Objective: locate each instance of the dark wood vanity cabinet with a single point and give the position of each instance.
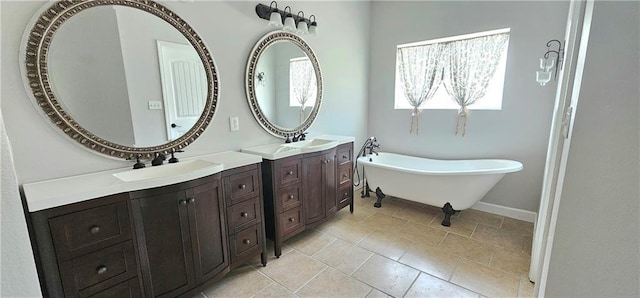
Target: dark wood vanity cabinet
(182, 235)
(161, 242)
(87, 249)
(302, 191)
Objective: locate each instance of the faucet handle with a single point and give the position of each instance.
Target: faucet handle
(159, 159)
(302, 136)
(138, 164)
(174, 159)
(288, 140)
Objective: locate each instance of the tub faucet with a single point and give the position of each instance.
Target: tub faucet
(372, 145)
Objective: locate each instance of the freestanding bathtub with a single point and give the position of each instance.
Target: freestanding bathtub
(451, 184)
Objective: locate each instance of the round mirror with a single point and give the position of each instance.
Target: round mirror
(124, 78)
(284, 84)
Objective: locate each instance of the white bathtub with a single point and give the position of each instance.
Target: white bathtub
(462, 183)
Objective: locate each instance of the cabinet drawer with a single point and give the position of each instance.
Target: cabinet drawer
(246, 242)
(290, 196)
(96, 271)
(127, 289)
(244, 214)
(344, 174)
(345, 196)
(241, 186)
(291, 220)
(344, 154)
(80, 232)
(289, 171)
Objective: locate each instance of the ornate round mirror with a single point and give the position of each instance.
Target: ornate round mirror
(283, 84)
(124, 78)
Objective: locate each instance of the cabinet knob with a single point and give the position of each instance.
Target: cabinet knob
(291, 219)
(290, 173)
(191, 200)
(101, 269)
(346, 194)
(290, 197)
(345, 176)
(246, 241)
(94, 230)
(244, 214)
(242, 186)
(182, 202)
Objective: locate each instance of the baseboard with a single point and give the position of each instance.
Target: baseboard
(520, 214)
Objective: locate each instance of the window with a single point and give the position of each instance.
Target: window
(492, 100)
(302, 83)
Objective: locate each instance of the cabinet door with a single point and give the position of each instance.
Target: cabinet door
(163, 229)
(329, 175)
(313, 188)
(208, 230)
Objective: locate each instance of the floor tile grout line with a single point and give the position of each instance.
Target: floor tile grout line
(411, 285)
(312, 278)
(360, 266)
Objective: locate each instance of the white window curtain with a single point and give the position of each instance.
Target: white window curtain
(303, 84)
(420, 72)
(469, 66)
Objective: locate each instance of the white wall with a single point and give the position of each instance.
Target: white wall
(519, 131)
(596, 249)
(230, 30)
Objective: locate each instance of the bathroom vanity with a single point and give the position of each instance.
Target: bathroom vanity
(151, 235)
(305, 184)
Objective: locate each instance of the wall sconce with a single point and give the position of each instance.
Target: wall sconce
(286, 20)
(261, 78)
(547, 62)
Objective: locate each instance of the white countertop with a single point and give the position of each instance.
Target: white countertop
(280, 150)
(57, 192)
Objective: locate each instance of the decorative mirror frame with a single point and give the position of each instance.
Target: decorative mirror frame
(262, 44)
(36, 46)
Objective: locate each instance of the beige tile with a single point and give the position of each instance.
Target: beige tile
(343, 256)
(416, 214)
(384, 222)
(482, 217)
(333, 283)
(241, 282)
(517, 226)
(422, 234)
(293, 270)
(386, 244)
(257, 261)
(386, 275)
(429, 286)
(528, 242)
(349, 231)
(467, 248)
(274, 290)
(484, 280)
(516, 262)
(499, 237)
(310, 241)
(431, 260)
(375, 293)
(459, 226)
(526, 287)
(358, 215)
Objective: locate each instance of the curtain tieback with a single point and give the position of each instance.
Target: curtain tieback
(463, 112)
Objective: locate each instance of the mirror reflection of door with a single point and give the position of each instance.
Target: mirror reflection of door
(184, 86)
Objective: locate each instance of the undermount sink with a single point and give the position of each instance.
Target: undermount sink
(193, 167)
(312, 145)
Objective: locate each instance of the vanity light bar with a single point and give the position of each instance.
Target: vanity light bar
(287, 18)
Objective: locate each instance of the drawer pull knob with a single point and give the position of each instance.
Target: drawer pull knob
(246, 241)
(182, 202)
(101, 269)
(344, 157)
(244, 214)
(290, 173)
(94, 230)
(291, 219)
(290, 197)
(346, 194)
(191, 200)
(345, 176)
(242, 186)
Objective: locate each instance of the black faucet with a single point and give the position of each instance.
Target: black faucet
(138, 164)
(159, 159)
(372, 145)
(288, 140)
(302, 136)
(295, 137)
(174, 159)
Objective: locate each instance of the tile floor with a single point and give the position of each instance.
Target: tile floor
(399, 250)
